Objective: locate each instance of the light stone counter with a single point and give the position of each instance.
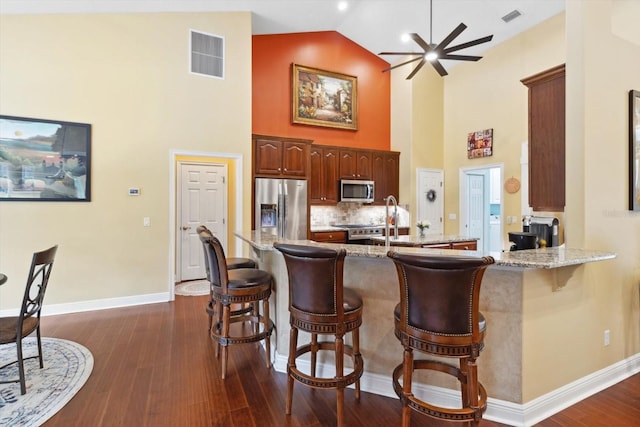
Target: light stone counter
(513, 290)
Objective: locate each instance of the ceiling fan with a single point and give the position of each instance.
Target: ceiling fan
(432, 53)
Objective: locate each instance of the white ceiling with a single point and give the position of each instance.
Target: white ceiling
(375, 25)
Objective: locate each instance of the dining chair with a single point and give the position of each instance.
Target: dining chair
(15, 329)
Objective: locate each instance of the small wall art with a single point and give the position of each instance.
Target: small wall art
(44, 160)
(324, 98)
(480, 144)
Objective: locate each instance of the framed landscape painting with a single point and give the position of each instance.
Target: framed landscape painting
(324, 98)
(44, 160)
(634, 150)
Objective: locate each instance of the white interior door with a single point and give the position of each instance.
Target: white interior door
(202, 201)
(430, 203)
(476, 207)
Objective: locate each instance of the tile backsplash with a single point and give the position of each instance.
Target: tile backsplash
(356, 213)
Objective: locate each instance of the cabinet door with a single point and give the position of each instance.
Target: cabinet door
(324, 175)
(377, 173)
(315, 181)
(268, 157)
(330, 175)
(348, 164)
(392, 174)
(294, 158)
(363, 164)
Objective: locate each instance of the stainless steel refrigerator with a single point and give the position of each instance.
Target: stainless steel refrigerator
(281, 207)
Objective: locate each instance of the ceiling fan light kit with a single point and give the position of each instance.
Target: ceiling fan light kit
(433, 53)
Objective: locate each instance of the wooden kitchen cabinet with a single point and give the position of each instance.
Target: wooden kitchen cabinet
(355, 164)
(547, 139)
(280, 157)
(329, 236)
(323, 185)
(385, 167)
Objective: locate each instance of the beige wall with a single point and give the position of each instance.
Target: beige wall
(126, 75)
(603, 64)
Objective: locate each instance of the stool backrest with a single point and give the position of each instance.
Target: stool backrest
(205, 232)
(215, 261)
(439, 295)
(315, 279)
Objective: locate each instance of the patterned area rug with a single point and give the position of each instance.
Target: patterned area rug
(67, 366)
(194, 288)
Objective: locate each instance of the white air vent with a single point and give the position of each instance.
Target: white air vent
(207, 54)
(511, 16)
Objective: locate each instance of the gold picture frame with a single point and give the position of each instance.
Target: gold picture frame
(324, 98)
(634, 150)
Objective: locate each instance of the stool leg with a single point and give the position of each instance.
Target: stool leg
(355, 334)
(293, 344)
(464, 387)
(226, 317)
(406, 386)
(267, 340)
(314, 353)
(218, 322)
(339, 374)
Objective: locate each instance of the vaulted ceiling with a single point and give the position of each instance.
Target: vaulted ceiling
(376, 25)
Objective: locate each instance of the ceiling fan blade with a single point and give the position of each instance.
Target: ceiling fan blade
(415, 70)
(439, 68)
(461, 57)
(400, 65)
(423, 44)
(402, 53)
(455, 33)
(468, 44)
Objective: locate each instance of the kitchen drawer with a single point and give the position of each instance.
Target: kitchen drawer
(471, 245)
(438, 246)
(329, 236)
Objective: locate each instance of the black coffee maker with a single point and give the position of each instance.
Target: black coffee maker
(521, 240)
(545, 227)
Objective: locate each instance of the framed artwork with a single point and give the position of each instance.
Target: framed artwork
(634, 150)
(480, 144)
(324, 98)
(44, 160)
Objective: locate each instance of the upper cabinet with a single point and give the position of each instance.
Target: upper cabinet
(547, 139)
(386, 175)
(355, 164)
(280, 157)
(323, 183)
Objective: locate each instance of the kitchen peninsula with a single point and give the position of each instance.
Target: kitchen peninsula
(521, 294)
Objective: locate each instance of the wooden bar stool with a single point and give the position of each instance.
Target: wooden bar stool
(320, 304)
(239, 286)
(438, 315)
(232, 264)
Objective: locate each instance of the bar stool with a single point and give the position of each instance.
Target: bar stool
(320, 304)
(438, 314)
(238, 286)
(232, 264)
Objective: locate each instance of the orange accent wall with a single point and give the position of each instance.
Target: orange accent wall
(272, 56)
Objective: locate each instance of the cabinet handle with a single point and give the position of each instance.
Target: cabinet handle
(279, 169)
(285, 169)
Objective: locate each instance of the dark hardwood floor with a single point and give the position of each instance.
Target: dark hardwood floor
(155, 366)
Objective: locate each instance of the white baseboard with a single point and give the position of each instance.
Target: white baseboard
(99, 304)
(502, 411)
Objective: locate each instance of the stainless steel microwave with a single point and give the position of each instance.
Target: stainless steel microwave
(352, 190)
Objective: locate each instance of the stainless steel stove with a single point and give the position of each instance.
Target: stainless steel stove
(361, 233)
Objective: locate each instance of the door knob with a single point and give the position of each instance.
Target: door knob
(186, 227)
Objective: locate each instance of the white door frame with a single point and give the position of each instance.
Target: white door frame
(464, 196)
(173, 182)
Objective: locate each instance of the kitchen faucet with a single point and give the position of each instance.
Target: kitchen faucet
(392, 199)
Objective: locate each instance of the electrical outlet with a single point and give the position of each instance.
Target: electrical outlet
(146, 221)
(607, 337)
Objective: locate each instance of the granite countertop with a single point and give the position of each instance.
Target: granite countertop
(320, 228)
(545, 258)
